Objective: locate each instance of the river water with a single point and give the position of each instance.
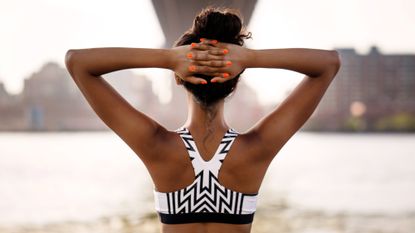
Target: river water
(57, 177)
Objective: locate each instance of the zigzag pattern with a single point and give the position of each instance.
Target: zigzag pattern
(197, 198)
(187, 138)
(206, 195)
(224, 145)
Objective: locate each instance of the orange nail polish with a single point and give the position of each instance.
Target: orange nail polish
(214, 41)
(228, 63)
(204, 82)
(202, 39)
(194, 45)
(225, 51)
(192, 68)
(189, 55)
(225, 75)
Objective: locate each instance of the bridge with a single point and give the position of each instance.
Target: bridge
(176, 16)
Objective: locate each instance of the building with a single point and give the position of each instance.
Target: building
(10, 111)
(50, 101)
(371, 92)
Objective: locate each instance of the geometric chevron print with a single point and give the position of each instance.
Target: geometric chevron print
(206, 200)
(213, 198)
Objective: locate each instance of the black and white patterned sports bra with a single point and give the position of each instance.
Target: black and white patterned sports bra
(206, 200)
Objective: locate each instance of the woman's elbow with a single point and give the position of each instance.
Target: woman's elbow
(71, 60)
(335, 60)
(333, 63)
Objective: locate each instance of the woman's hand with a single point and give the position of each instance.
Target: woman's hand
(220, 60)
(236, 59)
(189, 60)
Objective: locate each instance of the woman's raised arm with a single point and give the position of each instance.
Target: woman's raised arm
(99, 61)
(139, 131)
(319, 68)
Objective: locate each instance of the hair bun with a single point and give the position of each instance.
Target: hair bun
(224, 25)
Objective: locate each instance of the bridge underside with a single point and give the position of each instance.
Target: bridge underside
(176, 16)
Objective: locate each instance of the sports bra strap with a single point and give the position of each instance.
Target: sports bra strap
(215, 163)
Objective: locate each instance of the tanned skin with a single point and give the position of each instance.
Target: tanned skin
(163, 152)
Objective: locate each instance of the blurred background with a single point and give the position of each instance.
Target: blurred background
(351, 168)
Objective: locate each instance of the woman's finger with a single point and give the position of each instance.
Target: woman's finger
(195, 80)
(220, 77)
(212, 42)
(218, 80)
(200, 46)
(203, 69)
(218, 51)
(208, 70)
(205, 44)
(217, 63)
(205, 56)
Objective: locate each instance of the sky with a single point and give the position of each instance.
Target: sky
(36, 32)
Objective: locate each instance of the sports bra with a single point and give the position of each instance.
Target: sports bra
(205, 200)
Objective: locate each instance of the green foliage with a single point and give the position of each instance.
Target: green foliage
(355, 124)
(397, 122)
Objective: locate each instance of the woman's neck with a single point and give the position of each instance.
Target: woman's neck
(204, 119)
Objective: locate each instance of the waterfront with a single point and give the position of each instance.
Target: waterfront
(319, 182)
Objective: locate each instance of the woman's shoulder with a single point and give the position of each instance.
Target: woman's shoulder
(169, 142)
(252, 143)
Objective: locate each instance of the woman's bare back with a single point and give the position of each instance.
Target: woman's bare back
(242, 171)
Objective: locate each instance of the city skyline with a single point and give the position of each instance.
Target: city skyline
(34, 39)
(290, 84)
(372, 92)
(51, 101)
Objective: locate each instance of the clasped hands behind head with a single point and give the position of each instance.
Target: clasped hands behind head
(220, 61)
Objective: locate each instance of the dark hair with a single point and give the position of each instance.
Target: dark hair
(224, 25)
